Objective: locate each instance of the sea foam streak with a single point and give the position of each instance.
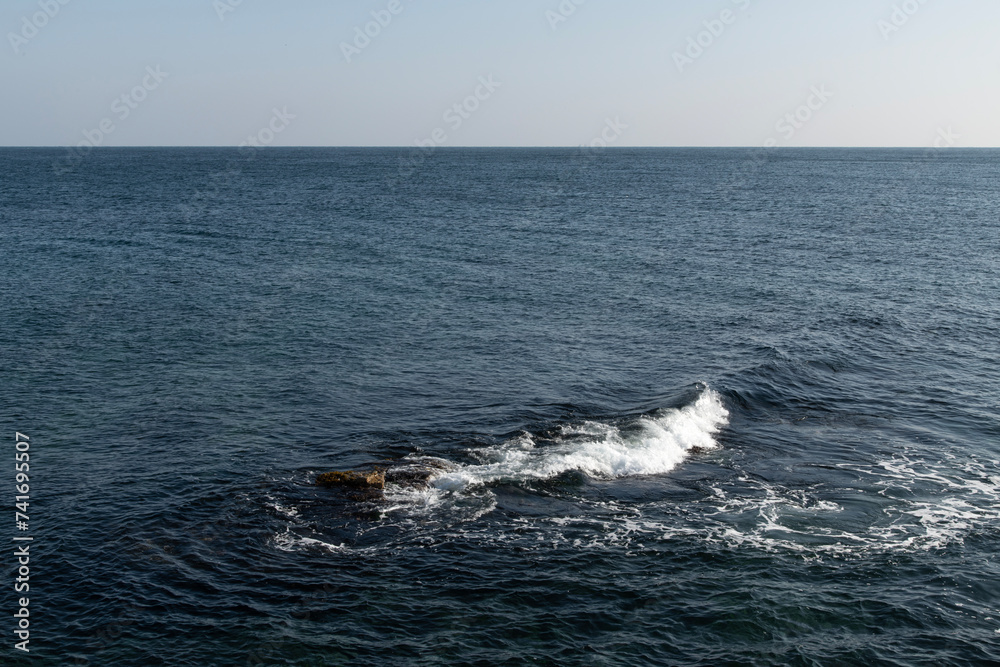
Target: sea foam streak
(651, 445)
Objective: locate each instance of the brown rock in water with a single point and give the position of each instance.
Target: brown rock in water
(352, 479)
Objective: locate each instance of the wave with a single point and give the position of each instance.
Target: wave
(649, 445)
(909, 501)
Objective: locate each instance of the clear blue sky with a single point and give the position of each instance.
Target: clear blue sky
(615, 68)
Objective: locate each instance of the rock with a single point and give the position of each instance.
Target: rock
(413, 472)
(416, 471)
(352, 479)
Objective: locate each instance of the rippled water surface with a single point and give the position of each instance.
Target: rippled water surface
(699, 407)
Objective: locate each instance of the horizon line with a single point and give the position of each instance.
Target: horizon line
(526, 147)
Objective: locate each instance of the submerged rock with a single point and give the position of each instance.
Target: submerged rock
(416, 472)
(352, 479)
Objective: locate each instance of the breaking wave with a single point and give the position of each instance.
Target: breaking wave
(649, 445)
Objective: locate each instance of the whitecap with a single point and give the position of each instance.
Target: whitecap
(650, 445)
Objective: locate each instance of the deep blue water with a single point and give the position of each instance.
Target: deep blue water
(688, 407)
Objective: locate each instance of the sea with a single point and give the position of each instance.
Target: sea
(668, 406)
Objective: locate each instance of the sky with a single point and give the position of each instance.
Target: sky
(500, 73)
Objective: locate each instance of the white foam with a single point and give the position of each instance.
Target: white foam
(926, 507)
(648, 446)
(290, 541)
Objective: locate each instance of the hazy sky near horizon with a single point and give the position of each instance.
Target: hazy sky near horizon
(559, 72)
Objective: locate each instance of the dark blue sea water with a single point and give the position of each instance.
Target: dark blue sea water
(681, 407)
